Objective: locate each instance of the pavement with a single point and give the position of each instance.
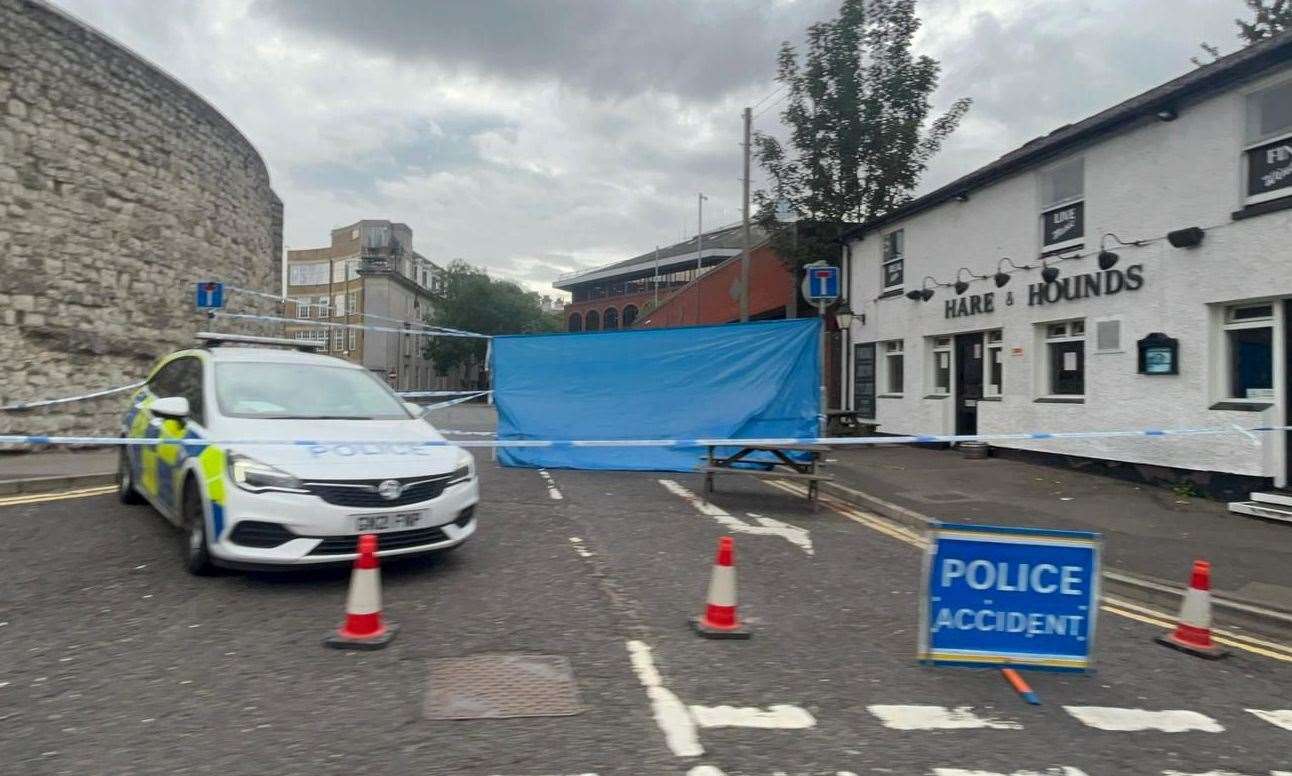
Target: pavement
(115, 661)
(1151, 532)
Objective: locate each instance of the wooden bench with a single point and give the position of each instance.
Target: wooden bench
(784, 467)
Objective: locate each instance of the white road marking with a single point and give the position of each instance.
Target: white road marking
(1062, 770)
(670, 713)
(936, 718)
(767, 526)
(775, 717)
(1129, 720)
(1280, 717)
(705, 770)
(582, 551)
(551, 485)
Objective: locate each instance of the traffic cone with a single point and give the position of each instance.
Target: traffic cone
(1193, 631)
(720, 620)
(363, 627)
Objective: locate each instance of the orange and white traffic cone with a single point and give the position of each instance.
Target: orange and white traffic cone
(720, 620)
(1193, 631)
(363, 627)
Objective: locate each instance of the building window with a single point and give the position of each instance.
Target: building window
(307, 274)
(1062, 206)
(338, 339)
(576, 322)
(1269, 143)
(995, 384)
(352, 302)
(894, 366)
(592, 321)
(630, 315)
(1249, 346)
(1065, 348)
(892, 268)
(611, 319)
(353, 339)
(941, 365)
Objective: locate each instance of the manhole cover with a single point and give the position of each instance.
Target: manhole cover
(496, 686)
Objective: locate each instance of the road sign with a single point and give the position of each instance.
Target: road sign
(820, 282)
(1016, 597)
(210, 295)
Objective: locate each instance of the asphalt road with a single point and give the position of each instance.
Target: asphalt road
(114, 661)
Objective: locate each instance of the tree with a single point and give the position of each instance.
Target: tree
(856, 111)
(1269, 18)
(470, 300)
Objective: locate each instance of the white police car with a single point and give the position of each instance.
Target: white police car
(245, 505)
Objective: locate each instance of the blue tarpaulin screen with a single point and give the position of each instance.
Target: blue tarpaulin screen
(747, 380)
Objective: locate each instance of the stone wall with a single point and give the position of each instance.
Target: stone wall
(119, 189)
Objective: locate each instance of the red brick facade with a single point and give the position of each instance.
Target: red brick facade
(771, 289)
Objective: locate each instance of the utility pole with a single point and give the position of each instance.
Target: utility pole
(699, 252)
(656, 278)
(744, 254)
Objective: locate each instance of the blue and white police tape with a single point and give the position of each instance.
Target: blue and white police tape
(428, 394)
(440, 405)
(356, 326)
(375, 447)
(27, 405)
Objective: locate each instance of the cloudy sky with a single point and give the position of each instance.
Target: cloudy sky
(534, 137)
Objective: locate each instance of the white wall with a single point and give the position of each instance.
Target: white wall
(1141, 183)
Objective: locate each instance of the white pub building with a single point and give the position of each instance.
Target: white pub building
(1129, 271)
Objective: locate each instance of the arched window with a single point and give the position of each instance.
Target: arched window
(611, 319)
(576, 322)
(630, 315)
(592, 321)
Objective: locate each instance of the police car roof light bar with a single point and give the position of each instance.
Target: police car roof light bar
(215, 339)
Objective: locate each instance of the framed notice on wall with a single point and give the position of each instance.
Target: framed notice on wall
(1159, 355)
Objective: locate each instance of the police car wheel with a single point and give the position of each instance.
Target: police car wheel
(197, 558)
(126, 481)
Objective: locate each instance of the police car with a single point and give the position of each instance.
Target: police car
(242, 505)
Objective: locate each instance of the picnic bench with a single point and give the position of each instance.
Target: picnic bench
(783, 466)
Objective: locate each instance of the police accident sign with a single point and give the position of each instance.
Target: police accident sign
(1016, 597)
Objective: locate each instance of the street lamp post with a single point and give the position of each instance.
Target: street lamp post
(699, 252)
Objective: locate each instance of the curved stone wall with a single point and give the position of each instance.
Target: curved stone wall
(119, 188)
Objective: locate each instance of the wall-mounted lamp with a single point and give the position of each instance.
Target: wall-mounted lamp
(1186, 238)
(962, 286)
(844, 316)
(1049, 274)
(923, 293)
(1168, 113)
(1002, 277)
(1107, 258)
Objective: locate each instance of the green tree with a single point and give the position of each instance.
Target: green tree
(470, 300)
(1270, 18)
(857, 113)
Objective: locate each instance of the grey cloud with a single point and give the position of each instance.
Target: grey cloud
(614, 49)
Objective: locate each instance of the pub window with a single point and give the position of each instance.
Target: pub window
(995, 364)
(1062, 206)
(1249, 346)
(1269, 143)
(1065, 349)
(941, 365)
(894, 366)
(892, 268)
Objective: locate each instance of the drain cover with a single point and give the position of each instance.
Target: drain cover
(496, 686)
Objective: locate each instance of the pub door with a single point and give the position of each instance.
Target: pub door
(969, 360)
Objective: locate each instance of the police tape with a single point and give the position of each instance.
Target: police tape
(27, 405)
(422, 394)
(373, 316)
(450, 403)
(356, 326)
(377, 447)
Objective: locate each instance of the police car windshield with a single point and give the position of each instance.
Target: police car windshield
(303, 392)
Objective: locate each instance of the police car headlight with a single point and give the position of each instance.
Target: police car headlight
(465, 468)
(250, 474)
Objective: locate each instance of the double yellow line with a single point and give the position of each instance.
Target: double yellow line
(37, 498)
(1115, 606)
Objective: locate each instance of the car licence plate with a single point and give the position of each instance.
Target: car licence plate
(393, 521)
